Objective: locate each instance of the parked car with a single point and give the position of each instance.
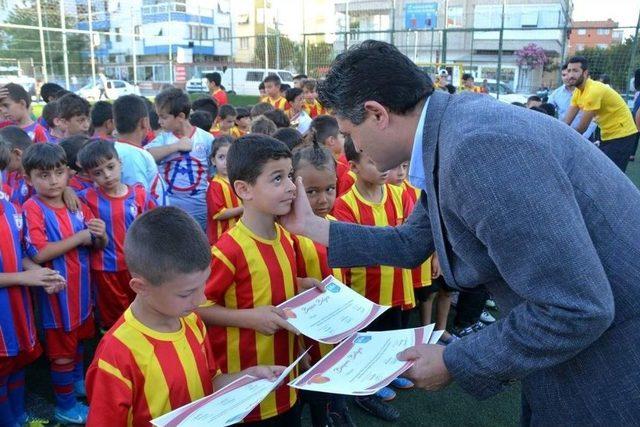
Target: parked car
(241, 81)
(114, 90)
(198, 83)
(506, 93)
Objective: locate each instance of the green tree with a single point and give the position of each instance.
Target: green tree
(614, 61)
(319, 55)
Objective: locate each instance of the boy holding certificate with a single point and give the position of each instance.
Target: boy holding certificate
(157, 357)
(253, 270)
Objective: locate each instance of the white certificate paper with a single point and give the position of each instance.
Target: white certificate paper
(364, 363)
(333, 315)
(226, 406)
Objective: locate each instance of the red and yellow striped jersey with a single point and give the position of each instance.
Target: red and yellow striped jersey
(220, 197)
(346, 177)
(279, 103)
(381, 284)
(314, 109)
(138, 374)
(248, 271)
(421, 275)
(236, 132)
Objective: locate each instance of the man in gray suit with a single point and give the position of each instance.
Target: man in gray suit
(513, 200)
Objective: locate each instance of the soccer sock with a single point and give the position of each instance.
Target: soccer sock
(16, 392)
(62, 379)
(6, 414)
(78, 368)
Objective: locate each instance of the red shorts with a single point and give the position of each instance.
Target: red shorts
(114, 295)
(11, 364)
(60, 344)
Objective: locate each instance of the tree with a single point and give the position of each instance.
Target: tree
(289, 52)
(614, 61)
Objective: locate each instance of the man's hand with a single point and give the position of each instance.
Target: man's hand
(305, 283)
(270, 373)
(97, 227)
(184, 144)
(301, 219)
(269, 319)
(429, 371)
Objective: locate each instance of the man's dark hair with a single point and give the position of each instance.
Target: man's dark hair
(227, 110)
(535, 98)
(279, 118)
(467, 76)
(564, 66)
(214, 78)
(174, 101)
(273, 78)
(292, 94)
(72, 105)
(155, 247)
(289, 136)
(50, 113)
(17, 93)
(49, 89)
(300, 77)
(207, 104)
(373, 71)
(261, 108)
(16, 137)
(45, 156)
(350, 151)
(263, 125)
(100, 113)
(584, 63)
(95, 153)
(128, 110)
(201, 119)
(248, 155)
(72, 146)
(322, 127)
(242, 112)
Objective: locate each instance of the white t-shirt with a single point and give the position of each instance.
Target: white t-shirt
(138, 166)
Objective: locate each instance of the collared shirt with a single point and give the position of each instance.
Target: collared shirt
(417, 177)
(561, 99)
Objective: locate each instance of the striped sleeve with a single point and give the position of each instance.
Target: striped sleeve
(343, 212)
(222, 271)
(216, 203)
(35, 235)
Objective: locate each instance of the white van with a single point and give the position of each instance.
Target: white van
(245, 81)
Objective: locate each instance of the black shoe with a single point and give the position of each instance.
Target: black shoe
(378, 408)
(340, 418)
(463, 332)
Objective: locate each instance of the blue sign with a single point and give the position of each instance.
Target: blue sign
(420, 16)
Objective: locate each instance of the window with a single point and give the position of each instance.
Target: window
(603, 31)
(529, 20)
(254, 76)
(223, 33)
(118, 84)
(285, 76)
(582, 31)
(118, 36)
(602, 46)
(244, 43)
(136, 29)
(579, 47)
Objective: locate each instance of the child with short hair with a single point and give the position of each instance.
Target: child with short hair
(61, 239)
(299, 117)
(289, 136)
(118, 205)
(262, 92)
(218, 94)
(263, 125)
(325, 130)
(183, 153)
(78, 179)
(49, 115)
(274, 97)
(18, 141)
(223, 206)
(372, 202)
(279, 118)
(157, 357)
(311, 105)
(15, 104)
(201, 119)
(207, 104)
(243, 123)
(253, 270)
(73, 115)
(102, 120)
(19, 345)
(225, 121)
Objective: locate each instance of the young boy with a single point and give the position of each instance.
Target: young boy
(274, 97)
(18, 141)
(157, 357)
(19, 344)
(253, 270)
(182, 153)
(49, 115)
(372, 202)
(243, 122)
(131, 120)
(214, 81)
(225, 121)
(15, 104)
(117, 205)
(201, 119)
(73, 115)
(311, 104)
(206, 104)
(61, 239)
(102, 120)
(78, 179)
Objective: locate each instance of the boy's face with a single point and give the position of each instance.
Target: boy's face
(272, 89)
(469, 83)
(367, 171)
(274, 190)
(76, 125)
(309, 94)
(49, 184)
(174, 298)
(262, 92)
(12, 110)
(320, 186)
(16, 160)
(297, 102)
(244, 122)
(167, 121)
(220, 160)
(107, 174)
(227, 123)
(398, 174)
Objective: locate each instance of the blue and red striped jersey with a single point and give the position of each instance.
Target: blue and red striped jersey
(47, 224)
(80, 183)
(118, 213)
(20, 190)
(37, 133)
(17, 324)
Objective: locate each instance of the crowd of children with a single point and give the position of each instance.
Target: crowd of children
(157, 222)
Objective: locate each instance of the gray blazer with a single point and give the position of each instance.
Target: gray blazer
(522, 204)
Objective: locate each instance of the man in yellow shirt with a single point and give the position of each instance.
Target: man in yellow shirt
(597, 100)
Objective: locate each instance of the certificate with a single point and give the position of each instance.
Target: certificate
(226, 406)
(333, 315)
(364, 363)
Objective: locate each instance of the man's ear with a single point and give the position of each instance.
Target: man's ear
(378, 112)
(243, 189)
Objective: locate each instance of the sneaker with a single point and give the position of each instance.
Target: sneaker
(76, 415)
(486, 317)
(490, 303)
(341, 418)
(463, 332)
(446, 341)
(402, 383)
(79, 389)
(386, 394)
(378, 408)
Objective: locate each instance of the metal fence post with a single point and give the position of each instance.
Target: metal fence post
(499, 70)
(42, 51)
(634, 49)
(65, 52)
(92, 52)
